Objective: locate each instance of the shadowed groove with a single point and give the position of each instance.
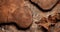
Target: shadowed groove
(14, 24)
(43, 10)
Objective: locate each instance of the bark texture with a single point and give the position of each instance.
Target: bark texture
(29, 15)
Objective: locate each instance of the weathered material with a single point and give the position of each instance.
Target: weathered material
(45, 4)
(18, 12)
(15, 11)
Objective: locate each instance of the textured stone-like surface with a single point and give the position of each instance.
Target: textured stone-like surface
(45, 4)
(15, 11)
(42, 21)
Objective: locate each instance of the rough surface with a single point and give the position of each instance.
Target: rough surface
(42, 21)
(45, 4)
(15, 11)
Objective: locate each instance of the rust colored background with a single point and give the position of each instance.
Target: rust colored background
(29, 15)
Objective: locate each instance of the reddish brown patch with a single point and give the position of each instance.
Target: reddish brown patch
(15, 11)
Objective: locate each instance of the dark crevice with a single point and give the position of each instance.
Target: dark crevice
(44, 29)
(52, 25)
(43, 10)
(13, 23)
(57, 20)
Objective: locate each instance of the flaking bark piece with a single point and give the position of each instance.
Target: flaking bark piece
(45, 4)
(15, 11)
(23, 17)
(43, 22)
